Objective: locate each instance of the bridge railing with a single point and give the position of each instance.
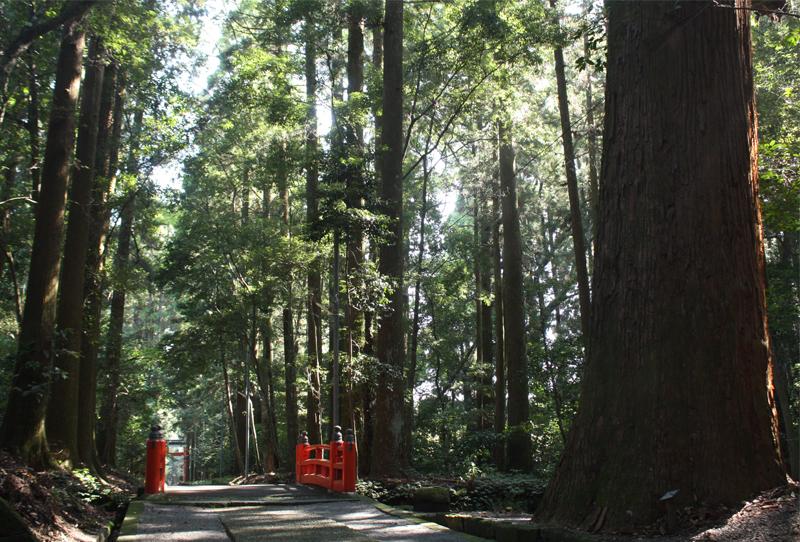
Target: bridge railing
(333, 466)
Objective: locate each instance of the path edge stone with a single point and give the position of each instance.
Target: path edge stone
(131, 521)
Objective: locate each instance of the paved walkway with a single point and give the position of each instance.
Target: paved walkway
(270, 512)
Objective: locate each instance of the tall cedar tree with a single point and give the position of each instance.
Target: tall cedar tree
(23, 431)
(108, 139)
(499, 451)
(109, 410)
(356, 193)
(388, 435)
(62, 412)
(516, 360)
(289, 346)
(575, 214)
(674, 393)
(314, 299)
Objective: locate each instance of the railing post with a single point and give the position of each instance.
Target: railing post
(155, 462)
(336, 445)
(300, 455)
(350, 462)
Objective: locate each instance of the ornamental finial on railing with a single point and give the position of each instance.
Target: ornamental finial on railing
(337, 433)
(349, 436)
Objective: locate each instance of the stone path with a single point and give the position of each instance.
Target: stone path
(270, 512)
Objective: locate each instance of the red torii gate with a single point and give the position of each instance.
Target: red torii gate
(333, 466)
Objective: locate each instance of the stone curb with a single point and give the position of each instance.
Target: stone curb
(513, 531)
(105, 532)
(131, 521)
(477, 529)
(419, 520)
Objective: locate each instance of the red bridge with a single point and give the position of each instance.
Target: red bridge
(333, 466)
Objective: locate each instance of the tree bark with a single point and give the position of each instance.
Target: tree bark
(515, 338)
(62, 413)
(391, 348)
(677, 389)
(575, 214)
(23, 431)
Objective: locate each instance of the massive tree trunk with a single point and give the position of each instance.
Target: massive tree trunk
(314, 308)
(519, 441)
(62, 412)
(677, 391)
(576, 216)
(107, 431)
(391, 348)
(23, 430)
(108, 138)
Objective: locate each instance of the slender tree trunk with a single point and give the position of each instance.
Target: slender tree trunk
(591, 140)
(23, 431)
(288, 326)
(314, 309)
(499, 452)
(411, 373)
(486, 366)
(232, 415)
(784, 338)
(7, 257)
(367, 392)
(9, 181)
(33, 125)
(391, 348)
(677, 388)
(356, 194)
(109, 410)
(519, 442)
(576, 220)
(265, 385)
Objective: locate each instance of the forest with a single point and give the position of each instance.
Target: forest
(550, 247)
